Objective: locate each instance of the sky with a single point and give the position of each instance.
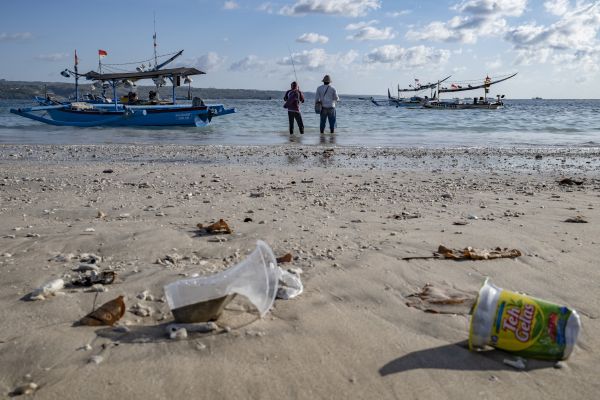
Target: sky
(367, 46)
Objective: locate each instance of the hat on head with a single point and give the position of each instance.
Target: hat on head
(326, 79)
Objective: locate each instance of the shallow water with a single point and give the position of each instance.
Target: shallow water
(360, 123)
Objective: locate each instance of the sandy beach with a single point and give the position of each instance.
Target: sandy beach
(348, 216)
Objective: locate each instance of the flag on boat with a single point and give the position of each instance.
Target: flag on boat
(454, 86)
(76, 58)
(102, 53)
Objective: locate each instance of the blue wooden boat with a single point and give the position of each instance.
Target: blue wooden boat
(134, 113)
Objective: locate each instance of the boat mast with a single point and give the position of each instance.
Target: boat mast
(76, 77)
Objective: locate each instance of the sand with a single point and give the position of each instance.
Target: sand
(348, 216)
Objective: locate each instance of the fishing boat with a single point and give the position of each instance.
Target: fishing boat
(483, 102)
(149, 112)
(413, 101)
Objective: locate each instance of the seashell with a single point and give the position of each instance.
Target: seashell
(178, 334)
(25, 389)
(201, 327)
(48, 289)
(89, 230)
(96, 359)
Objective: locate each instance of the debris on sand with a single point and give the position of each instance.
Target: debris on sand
(577, 220)
(48, 289)
(107, 314)
(286, 258)
(218, 227)
(438, 300)
(92, 278)
(470, 253)
(570, 182)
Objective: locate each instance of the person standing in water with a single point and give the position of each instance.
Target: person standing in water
(293, 98)
(327, 96)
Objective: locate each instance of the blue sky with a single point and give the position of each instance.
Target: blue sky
(366, 45)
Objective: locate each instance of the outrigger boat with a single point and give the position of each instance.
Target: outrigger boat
(135, 113)
(413, 101)
(478, 103)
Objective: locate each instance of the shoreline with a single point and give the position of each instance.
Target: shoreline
(582, 160)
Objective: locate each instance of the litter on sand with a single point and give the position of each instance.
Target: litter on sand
(218, 227)
(290, 285)
(48, 289)
(92, 278)
(440, 300)
(469, 253)
(107, 314)
(522, 325)
(203, 299)
(286, 258)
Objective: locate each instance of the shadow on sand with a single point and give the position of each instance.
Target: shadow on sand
(456, 356)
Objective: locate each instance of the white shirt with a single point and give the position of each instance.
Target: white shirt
(328, 97)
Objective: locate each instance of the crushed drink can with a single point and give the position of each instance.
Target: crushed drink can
(522, 324)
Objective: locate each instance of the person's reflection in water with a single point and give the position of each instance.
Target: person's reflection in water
(327, 139)
(295, 139)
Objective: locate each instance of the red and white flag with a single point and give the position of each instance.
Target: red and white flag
(102, 53)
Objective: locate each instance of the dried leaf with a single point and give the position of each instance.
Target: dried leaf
(218, 227)
(471, 253)
(285, 258)
(107, 314)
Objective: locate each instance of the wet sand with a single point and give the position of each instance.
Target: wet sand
(348, 215)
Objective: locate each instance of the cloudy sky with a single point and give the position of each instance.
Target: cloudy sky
(366, 45)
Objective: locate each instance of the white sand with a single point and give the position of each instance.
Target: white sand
(350, 334)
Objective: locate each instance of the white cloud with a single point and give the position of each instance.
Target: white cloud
(348, 8)
(248, 63)
(412, 57)
(230, 5)
(12, 37)
(365, 31)
(570, 43)
(494, 64)
(312, 38)
(208, 62)
(481, 18)
(266, 7)
(372, 33)
(557, 7)
(52, 57)
(397, 14)
(317, 59)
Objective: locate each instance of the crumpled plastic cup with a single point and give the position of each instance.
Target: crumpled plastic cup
(203, 299)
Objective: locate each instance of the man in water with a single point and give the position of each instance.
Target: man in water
(328, 97)
(293, 98)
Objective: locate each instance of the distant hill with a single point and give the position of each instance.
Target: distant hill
(27, 90)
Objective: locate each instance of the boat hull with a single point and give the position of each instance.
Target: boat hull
(107, 115)
(461, 106)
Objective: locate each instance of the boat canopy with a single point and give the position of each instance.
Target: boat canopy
(171, 72)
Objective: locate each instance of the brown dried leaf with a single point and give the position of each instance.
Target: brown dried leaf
(471, 253)
(107, 314)
(218, 227)
(285, 258)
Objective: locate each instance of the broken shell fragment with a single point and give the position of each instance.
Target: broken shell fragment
(48, 289)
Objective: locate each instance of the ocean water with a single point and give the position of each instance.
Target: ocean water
(522, 123)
